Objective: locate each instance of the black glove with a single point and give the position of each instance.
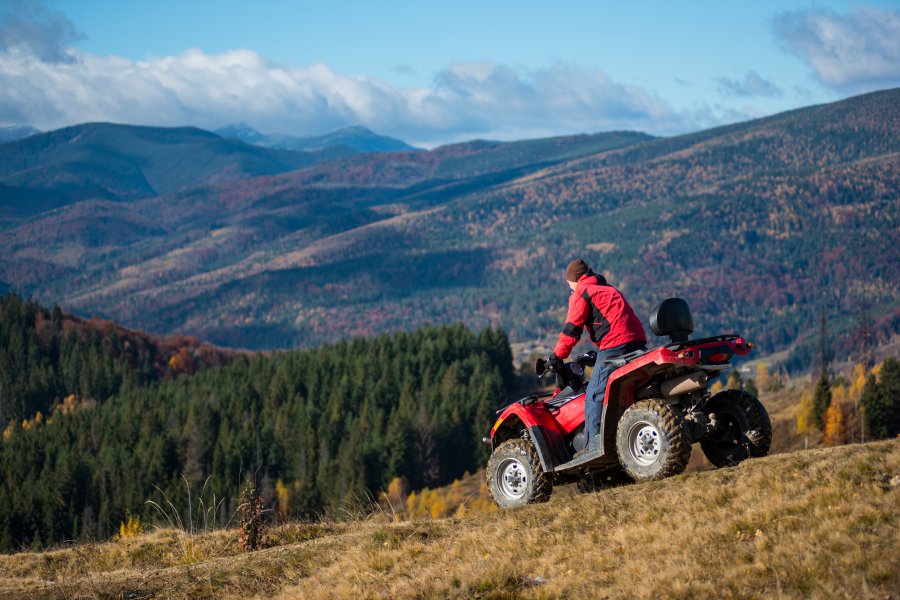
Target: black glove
(555, 362)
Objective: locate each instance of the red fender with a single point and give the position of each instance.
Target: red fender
(533, 415)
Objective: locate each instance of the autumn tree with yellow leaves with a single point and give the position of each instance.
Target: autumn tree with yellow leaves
(833, 432)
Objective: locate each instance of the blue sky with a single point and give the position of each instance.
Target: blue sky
(434, 73)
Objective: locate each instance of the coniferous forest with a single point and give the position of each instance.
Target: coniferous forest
(316, 428)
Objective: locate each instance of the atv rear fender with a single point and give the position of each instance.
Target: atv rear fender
(624, 380)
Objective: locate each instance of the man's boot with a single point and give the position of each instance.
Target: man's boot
(591, 447)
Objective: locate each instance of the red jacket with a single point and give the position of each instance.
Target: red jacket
(601, 308)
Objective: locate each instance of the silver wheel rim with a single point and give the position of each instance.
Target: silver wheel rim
(644, 443)
(513, 478)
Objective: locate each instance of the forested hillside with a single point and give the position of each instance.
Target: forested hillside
(761, 226)
(48, 356)
(316, 428)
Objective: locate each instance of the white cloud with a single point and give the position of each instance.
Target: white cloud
(467, 100)
(751, 85)
(849, 53)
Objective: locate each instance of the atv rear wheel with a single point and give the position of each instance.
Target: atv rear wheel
(515, 477)
(651, 441)
(744, 428)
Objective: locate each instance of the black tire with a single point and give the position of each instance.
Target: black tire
(651, 441)
(515, 477)
(745, 429)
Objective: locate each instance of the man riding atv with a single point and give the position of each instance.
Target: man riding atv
(612, 326)
(656, 404)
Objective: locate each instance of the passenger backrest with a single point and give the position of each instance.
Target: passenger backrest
(672, 317)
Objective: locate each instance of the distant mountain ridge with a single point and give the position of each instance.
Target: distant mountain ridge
(355, 137)
(752, 223)
(16, 132)
(125, 162)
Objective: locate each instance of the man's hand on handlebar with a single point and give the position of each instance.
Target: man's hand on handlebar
(555, 362)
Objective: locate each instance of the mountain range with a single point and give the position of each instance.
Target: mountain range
(355, 137)
(102, 161)
(760, 225)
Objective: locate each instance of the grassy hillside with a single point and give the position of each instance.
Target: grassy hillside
(809, 524)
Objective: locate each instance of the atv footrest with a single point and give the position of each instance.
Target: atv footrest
(592, 459)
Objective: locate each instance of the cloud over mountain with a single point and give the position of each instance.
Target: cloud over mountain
(473, 99)
(851, 53)
(48, 82)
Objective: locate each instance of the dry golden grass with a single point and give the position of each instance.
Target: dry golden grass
(814, 524)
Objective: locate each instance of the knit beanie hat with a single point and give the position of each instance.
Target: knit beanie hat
(576, 269)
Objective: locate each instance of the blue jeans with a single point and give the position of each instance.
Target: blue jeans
(596, 387)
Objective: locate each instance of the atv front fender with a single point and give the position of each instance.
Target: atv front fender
(541, 429)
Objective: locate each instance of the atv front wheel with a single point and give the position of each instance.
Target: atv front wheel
(743, 428)
(515, 477)
(651, 441)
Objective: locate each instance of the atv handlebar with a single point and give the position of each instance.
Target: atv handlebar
(546, 365)
(567, 373)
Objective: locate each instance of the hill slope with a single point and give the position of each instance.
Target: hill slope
(820, 523)
(235, 231)
(756, 225)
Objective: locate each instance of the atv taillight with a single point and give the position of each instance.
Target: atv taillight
(741, 343)
(718, 357)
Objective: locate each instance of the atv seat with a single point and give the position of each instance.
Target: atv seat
(623, 360)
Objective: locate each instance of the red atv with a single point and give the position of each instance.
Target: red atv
(657, 404)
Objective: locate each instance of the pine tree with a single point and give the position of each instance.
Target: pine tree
(864, 338)
(750, 387)
(821, 400)
(881, 401)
